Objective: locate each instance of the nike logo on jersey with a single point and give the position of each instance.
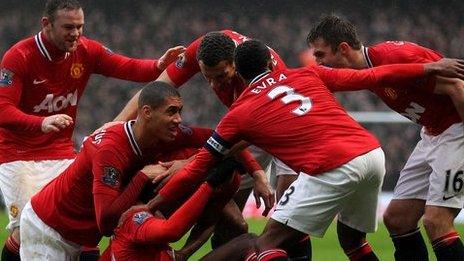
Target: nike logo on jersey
(36, 81)
(445, 198)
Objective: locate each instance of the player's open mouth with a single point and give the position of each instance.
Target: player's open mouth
(173, 131)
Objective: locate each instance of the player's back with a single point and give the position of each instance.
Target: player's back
(293, 116)
(125, 243)
(415, 100)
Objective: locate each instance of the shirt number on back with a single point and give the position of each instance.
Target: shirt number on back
(289, 95)
(413, 112)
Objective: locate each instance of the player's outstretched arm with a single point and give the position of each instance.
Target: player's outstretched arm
(172, 229)
(129, 111)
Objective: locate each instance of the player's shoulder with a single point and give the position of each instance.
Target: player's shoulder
(21, 49)
(108, 138)
(393, 45)
(92, 47)
(400, 51)
(238, 38)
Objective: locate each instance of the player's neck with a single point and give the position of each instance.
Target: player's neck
(55, 53)
(357, 60)
(144, 140)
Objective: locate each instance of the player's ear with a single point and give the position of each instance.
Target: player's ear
(46, 23)
(146, 112)
(344, 48)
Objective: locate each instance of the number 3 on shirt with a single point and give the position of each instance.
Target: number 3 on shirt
(291, 96)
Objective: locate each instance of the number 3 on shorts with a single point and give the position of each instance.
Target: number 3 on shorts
(286, 197)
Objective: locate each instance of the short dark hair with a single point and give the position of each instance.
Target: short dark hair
(52, 6)
(334, 30)
(214, 48)
(155, 93)
(251, 58)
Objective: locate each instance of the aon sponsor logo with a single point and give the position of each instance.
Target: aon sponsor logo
(54, 104)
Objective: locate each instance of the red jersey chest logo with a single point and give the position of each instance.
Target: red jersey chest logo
(77, 69)
(391, 93)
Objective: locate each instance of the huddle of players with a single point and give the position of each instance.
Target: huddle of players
(341, 165)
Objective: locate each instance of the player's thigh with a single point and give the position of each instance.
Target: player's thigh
(276, 169)
(447, 178)
(283, 175)
(283, 183)
(20, 180)
(413, 182)
(40, 242)
(359, 210)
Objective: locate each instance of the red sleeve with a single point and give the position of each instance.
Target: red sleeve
(12, 74)
(188, 178)
(193, 137)
(186, 65)
(353, 80)
(122, 67)
(249, 161)
(110, 198)
(158, 231)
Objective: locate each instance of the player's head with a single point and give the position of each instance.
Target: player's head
(333, 39)
(159, 108)
(251, 59)
(215, 57)
(62, 23)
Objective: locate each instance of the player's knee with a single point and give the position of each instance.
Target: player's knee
(398, 223)
(436, 223)
(15, 234)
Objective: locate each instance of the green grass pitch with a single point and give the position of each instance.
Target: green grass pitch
(326, 248)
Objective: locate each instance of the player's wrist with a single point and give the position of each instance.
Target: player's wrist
(259, 175)
(430, 68)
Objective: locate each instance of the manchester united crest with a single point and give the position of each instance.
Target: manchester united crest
(390, 93)
(77, 69)
(14, 211)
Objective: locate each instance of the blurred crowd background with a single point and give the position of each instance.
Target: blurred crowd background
(146, 28)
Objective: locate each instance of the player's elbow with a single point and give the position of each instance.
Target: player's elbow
(457, 90)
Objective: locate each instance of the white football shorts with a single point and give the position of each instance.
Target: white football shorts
(20, 180)
(435, 170)
(41, 242)
(311, 203)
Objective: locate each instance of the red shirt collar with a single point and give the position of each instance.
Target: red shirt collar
(48, 49)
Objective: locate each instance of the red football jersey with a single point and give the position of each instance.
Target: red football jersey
(414, 100)
(293, 116)
(38, 80)
(142, 236)
(187, 66)
(105, 167)
(319, 135)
